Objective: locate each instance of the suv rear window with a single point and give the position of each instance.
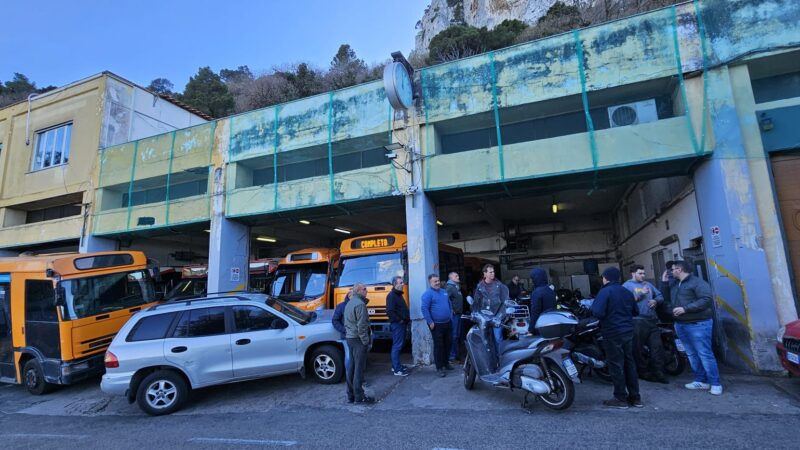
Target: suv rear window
(151, 327)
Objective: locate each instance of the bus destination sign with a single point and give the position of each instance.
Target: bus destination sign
(374, 242)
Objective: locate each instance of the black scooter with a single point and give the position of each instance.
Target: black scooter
(538, 365)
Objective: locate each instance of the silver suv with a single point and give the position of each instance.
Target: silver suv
(163, 352)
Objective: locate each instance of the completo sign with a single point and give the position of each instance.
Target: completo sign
(377, 242)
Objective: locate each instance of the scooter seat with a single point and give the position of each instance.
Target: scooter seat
(523, 342)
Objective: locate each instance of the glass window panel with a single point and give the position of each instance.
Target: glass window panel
(58, 144)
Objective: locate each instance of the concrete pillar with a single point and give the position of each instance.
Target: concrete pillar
(228, 246)
(733, 239)
(423, 259)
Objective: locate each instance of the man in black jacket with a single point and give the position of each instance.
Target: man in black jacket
(615, 306)
(453, 289)
(693, 310)
(542, 298)
(399, 318)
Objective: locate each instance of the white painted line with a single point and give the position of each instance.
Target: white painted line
(49, 436)
(445, 448)
(242, 441)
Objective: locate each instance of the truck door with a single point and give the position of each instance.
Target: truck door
(6, 346)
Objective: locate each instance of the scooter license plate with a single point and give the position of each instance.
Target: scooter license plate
(572, 371)
(679, 346)
(793, 357)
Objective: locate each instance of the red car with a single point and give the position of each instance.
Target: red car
(788, 347)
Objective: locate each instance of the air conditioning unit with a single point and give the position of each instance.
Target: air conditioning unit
(632, 113)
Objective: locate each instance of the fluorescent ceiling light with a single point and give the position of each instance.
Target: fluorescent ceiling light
(555, 208)
(266, 239)
(439, 222)
(341, 230)
(305, 222)
(207, 231)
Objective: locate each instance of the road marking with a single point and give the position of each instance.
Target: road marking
(243, 441)
(445, 448)
(49, 436)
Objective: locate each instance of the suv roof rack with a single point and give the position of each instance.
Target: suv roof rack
(200, 298)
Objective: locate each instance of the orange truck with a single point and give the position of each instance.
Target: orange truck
(374, 260)
(58, 313)
(304, 278)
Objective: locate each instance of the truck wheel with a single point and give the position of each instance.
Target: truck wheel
(326, 364)
(161, 392)
(33, 376)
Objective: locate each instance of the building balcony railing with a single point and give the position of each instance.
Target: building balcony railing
(68, 228)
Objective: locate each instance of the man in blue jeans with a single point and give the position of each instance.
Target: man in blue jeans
(399, 318)
(338, 324)
(692, 306)
(438, 315)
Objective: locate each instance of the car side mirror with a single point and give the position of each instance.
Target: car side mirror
(279, 324)
(470, 300)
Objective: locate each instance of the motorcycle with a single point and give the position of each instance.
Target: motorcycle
(538, 365)
(586, 343)
(675, 359)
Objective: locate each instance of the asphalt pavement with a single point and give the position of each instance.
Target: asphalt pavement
(421, 411)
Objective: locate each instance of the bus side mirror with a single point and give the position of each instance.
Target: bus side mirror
(61, 296)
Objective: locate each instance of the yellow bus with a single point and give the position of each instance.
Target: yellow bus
(374, 260)
(58, 313)
(304, 278)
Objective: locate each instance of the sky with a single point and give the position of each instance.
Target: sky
(55, 42)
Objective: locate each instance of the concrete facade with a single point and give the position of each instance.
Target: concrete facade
(529, 117)
(101, 110)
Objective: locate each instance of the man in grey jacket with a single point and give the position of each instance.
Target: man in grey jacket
(692, 306)
(357, 332)
(453, 289)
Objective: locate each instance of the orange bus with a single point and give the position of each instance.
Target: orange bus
(58, 313)
(304, 278)
(374, 260)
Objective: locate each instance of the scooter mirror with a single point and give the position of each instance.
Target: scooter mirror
(470, 299)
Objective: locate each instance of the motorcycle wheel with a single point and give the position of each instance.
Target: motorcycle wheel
(674, 362)
(602, 374)
(469, 374)
(563, 392)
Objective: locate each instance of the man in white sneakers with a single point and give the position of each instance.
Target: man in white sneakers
(693, 310)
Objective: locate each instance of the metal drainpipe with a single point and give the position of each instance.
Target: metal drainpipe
(28, 120)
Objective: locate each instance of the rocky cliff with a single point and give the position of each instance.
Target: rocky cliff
(479, 13)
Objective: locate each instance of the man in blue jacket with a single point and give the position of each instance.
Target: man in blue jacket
(615, 306)
(338, 324)
(542, 298)
(438, 314)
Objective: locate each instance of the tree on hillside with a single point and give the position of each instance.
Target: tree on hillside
(560, 18)
(161, 86)
(461, 41)
(346, 69)
(18, 89)
(237, 75)
(206, 92)
(306, 80)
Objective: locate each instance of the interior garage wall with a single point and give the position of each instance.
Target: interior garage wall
(678, 216)
(163, 249)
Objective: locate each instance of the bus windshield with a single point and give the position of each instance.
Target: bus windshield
(191, 287)
(300, 282)
(90, 296)
(371, 269)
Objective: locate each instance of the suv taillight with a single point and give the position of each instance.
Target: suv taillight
(111, 361)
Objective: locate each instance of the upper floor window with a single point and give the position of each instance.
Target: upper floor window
(52, 147)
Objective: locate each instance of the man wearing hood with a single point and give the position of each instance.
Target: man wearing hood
(616, 307)
(542, 298)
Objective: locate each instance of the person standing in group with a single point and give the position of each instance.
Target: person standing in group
(542, 298)
(438, 315)
(399, 318)
(338, 324)
(515, 289)
(453, 288)
(490, 296)
(357, 326)
(646, 330)
(692, 307)
(616, 307)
